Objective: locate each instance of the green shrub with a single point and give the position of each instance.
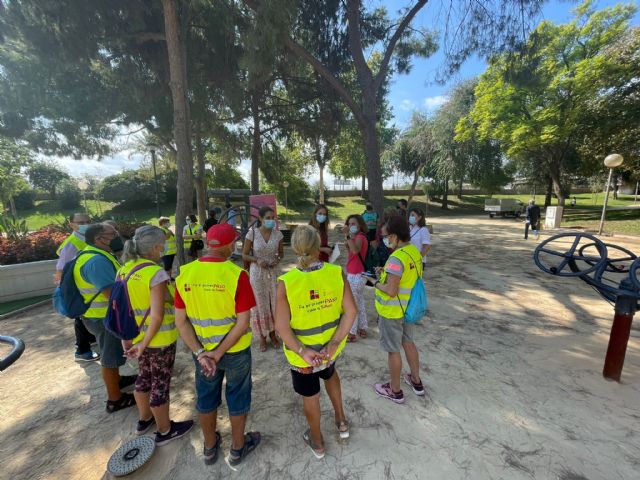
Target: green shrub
(68, 194)
(25, 200)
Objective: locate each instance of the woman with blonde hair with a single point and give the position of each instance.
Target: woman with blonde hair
(151, 295)
(314, 313)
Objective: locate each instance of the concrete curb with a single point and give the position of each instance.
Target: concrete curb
(24, 309)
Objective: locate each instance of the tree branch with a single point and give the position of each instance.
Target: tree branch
(355, 43)
(325, 73)
(384, 65)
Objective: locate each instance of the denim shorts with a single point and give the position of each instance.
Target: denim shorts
(111, 352)
(236, 367)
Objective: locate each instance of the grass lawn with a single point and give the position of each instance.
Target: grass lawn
(586, 214)
(9, 307)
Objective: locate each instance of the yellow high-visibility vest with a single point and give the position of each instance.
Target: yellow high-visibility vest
(170, 244)
(73, 239)
(138, 287)
(315, 301)
(208, 290)
(192, 229)
(98, 308)
(393, 307)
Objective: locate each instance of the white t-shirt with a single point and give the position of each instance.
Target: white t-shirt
(419, 237)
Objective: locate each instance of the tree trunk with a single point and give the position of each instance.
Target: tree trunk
(372, 150)
(321, 185)
(549, 191)
(181, 121)
(416, 174)
(201, 178)
(554, 174)
(363, 189)
(256, 146)
(460, 188)
(445, 194)
(12, 207)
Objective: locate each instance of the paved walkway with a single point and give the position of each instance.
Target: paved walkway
(512, 360)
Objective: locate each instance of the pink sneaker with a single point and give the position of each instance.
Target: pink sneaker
(384, 390)
(417, 388)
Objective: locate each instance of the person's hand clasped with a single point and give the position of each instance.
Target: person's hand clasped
(207, 363)
(134, 351)
(312, 357)
(329, 350)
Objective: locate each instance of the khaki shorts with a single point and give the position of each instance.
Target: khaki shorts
(393, 333)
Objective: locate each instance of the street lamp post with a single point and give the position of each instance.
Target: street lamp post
(611, 161)
(285, 184)
(155, 179)
(83, 185)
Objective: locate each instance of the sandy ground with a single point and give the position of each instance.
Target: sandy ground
(512, 362)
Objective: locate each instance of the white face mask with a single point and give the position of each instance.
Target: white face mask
(321, 218)
(413, 220)
(188, 221)
(387, 243)
(353, 229)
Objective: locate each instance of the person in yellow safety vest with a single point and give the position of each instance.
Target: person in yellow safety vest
(314, 312)
(213, 303)
(170, 248)
(192, 236)
(393, 290)
(151, 296)
(95, 273)
(67, 251)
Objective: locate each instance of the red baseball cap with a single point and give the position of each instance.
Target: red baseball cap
(221, 234)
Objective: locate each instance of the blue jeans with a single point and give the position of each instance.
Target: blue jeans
(236, 367)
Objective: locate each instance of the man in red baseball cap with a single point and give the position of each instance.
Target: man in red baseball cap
(213, 301)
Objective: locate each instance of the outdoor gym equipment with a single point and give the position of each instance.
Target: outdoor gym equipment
(611, 270)
(131, 456)
(15, 353)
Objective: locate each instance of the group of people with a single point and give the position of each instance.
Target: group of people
(215, 306)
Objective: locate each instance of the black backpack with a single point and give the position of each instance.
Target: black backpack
(67, 299)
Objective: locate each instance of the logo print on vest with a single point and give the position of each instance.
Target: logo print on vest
(187, 287)
(314, 294)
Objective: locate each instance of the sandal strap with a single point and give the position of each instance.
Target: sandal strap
(251, 440)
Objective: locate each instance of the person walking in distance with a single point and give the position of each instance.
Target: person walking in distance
(314, 312)
(370, 217)
(213, 303)
(532, 219)
(192, 236)
(419, 232)
(67, 251)
(95, 273)
(263, 249)
(151, 296)
(393, 290)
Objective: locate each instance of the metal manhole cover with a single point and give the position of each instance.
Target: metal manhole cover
(131, 456)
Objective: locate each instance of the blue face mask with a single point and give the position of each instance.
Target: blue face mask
(321, 218)
(269, 223)
(353, 229)
(413, 220)
(82, 229)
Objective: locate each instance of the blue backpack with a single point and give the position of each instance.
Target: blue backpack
(67, 299)
(120, 320)
(417, 306)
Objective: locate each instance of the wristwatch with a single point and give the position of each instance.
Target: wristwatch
(198, 352)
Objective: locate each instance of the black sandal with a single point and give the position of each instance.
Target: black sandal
(211, 454)
(126, 400)
(251, 441)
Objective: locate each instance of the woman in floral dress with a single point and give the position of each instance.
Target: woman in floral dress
(263, 250)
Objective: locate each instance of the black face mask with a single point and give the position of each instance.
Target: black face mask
(369, 207)
(116, 244)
